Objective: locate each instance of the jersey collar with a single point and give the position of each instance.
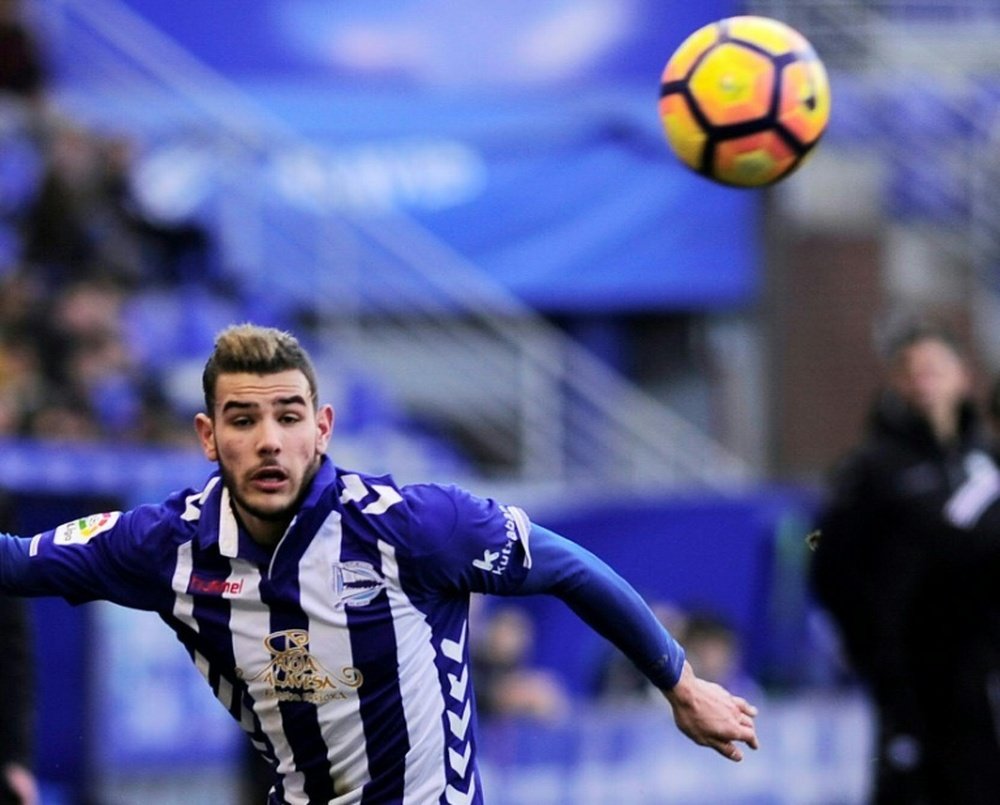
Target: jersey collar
(228, 533)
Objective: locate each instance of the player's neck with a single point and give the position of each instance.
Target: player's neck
(266, 533)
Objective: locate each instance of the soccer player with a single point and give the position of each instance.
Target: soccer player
(328, 609)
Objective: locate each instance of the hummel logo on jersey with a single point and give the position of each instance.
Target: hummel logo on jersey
(209, 586)
(486, 563)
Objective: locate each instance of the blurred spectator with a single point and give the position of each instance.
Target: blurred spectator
(711, 645)
(506, 683)
(63, 418)
(78, 247)
(85, 221)
(22, 72)
(925, 639)
(713, 648)
(90, 384)
(157, 421)
(21, 385)
(172, 252)
(86, 356)
(993, 412)
(619, 680)
(67, 232)
(17, 705)
(17, 782)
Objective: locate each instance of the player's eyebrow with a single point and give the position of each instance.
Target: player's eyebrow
(295, 399)
(238, 404)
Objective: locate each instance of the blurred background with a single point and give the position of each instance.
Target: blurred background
(471, 217)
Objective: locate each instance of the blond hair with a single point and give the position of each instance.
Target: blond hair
(252, 349)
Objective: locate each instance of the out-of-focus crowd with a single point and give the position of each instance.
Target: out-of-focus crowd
(510, 683)
(79, 257)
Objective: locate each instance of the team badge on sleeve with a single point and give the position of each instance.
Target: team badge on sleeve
(80, 532)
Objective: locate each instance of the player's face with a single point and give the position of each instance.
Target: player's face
(268, 440)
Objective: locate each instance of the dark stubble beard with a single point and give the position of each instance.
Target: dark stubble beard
(283, 515)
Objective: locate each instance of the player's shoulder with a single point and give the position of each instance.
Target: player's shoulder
(381, 493)
(163, 525)
(414, 513)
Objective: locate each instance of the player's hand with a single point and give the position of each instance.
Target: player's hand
(711, 716)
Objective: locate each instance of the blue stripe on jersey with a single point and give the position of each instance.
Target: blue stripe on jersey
(300, 723)
(213, 616)
(373, 638)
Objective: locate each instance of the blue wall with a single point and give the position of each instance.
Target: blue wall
(728, 554)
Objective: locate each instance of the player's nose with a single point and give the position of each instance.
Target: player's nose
(268, 437)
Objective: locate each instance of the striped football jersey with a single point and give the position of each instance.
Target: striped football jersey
(344, 652)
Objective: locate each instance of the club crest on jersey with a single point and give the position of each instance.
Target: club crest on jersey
(355, 584)
(79, 532)
(294, 675)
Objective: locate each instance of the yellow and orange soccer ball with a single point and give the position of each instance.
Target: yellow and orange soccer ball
(744, 100)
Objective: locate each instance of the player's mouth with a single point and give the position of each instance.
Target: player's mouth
(269, 479)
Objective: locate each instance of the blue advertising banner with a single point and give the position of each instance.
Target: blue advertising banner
(435, 43)
(573, 204)
(526, 137)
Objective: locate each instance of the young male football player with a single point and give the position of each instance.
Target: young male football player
(328, 609)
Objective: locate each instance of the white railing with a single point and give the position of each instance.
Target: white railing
(538, 406)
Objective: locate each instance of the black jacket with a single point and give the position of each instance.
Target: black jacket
(895, 576)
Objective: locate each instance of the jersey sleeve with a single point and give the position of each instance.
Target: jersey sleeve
(462, 543)
(604, 601)
(103, 556)
(479, 545)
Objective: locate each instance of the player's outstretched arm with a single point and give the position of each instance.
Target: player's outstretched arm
(711, 716)
(704, 711)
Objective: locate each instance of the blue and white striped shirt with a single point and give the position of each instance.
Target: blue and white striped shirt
(344, 652)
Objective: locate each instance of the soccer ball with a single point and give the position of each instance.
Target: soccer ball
(744, 100)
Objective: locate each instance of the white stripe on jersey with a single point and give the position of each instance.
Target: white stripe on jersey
(248, 577)
(420, 689)
(184, 603)
(201, 663)
(225, 694)
(229, 531)
(330, 646)
(183, 610)
(523, 525)
(248, 624)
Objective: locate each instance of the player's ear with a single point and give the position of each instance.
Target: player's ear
(324, 427)
(205, 429)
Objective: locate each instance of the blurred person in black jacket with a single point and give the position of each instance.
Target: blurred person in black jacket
(918, 625)
(17, 783)
(22, 68)
(17, 695)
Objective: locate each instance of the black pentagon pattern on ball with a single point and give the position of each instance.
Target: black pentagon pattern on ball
(769, 122)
